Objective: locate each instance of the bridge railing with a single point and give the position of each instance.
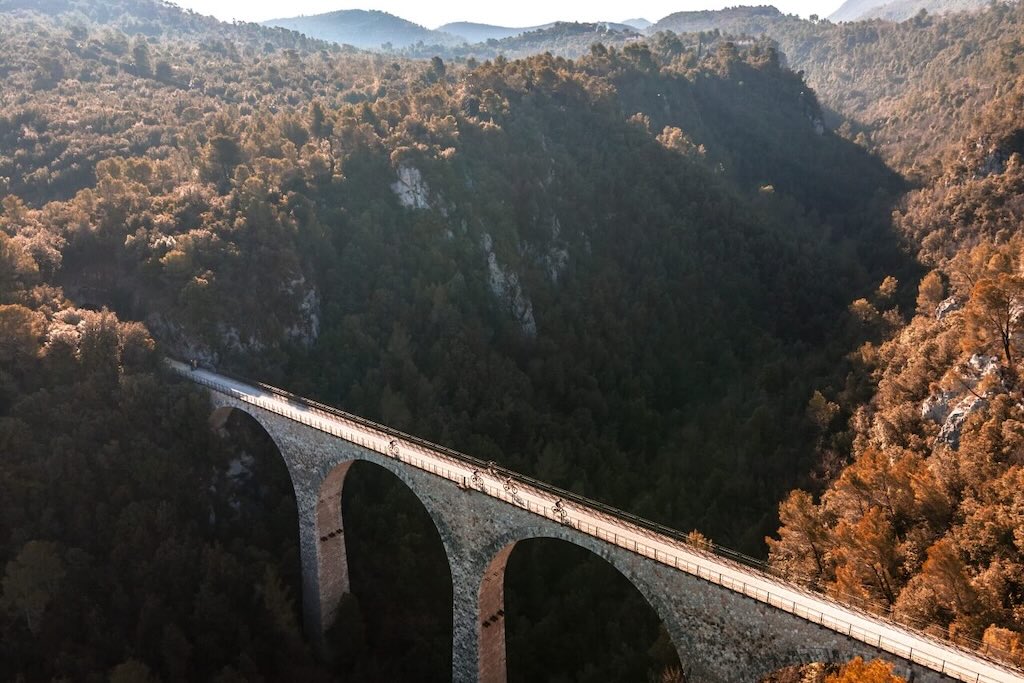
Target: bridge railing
(656, 532)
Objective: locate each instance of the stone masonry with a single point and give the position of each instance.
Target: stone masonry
(721, 636)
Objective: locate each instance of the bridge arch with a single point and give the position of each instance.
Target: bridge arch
(330, 530)
(218, 420)
(492, 662)
(319, 467)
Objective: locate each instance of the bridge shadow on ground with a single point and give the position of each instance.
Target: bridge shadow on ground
(571, 616)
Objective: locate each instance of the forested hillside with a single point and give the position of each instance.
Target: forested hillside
(476, 210)
(926, 522)
(904, 86)
(905, 90)
(563, 38)
(590, 271)
(900, 10)
(741, 20)
(639, 274)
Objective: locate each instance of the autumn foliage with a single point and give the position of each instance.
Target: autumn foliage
(924, 524)
(859, 671)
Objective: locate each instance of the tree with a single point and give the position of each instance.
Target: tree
(930, 293)
(437, 70)
(859, 671)
(866, 559)
(947, 575)
(21, 329)
(803, 538)
(164, 70)
(318, 127)
(222, 155)
(31, 581)
(99, 346)
(17, 267)
(941, 592)
(878, 479)
(1004, 643)
(135, 346)
(132, 671)
(992, 317)
(887, 290)
(140, 53)
(821, 411)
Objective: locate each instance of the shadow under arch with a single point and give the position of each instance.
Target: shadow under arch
(551, 566)
(387, 552)
(269, 469)
(258, 493)
(221, 418)
(327, 525)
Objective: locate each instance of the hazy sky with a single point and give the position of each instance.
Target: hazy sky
(433, 13)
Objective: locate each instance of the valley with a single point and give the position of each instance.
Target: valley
(747, 275)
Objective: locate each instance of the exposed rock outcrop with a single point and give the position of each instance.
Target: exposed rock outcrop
(301, 325)
(179, 343)
(410, 188)
(951, 407)
(233, 340)
(936, 408)
(307, 329)
(505, 286)
(984, 365)
(950, 305)
(557, 256)
(953, 425)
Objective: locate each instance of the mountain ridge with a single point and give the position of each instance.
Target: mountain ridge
(368, 29)
(474, 32)
(374, 29)
(901, 10)
(692, 21)
(639, 23)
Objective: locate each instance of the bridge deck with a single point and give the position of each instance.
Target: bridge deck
(626, 531)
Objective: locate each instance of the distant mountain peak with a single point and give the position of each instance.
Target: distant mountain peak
(474, 32)
(368, 29)
(640, 24)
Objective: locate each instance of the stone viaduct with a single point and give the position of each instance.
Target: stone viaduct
(729, 622)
